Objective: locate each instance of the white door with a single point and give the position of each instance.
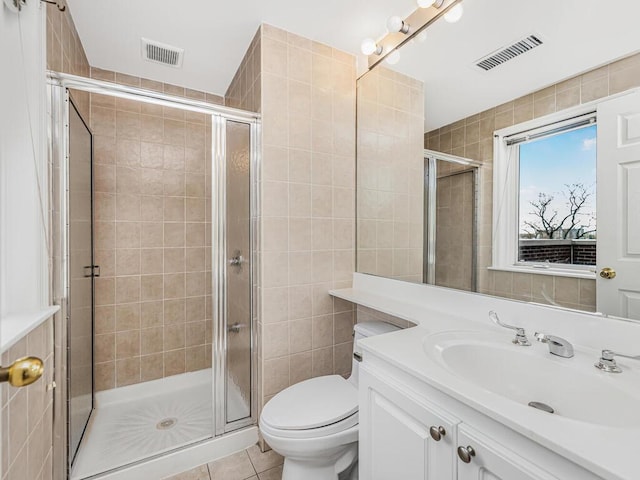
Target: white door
(491, 461)
(395, 437)
(618, 206)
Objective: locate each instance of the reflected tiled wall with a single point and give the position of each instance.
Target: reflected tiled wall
(27, 412)
(473, 138)
(390, 175)
(306, 93)
(152, 235)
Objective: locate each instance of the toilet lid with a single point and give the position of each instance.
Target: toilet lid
(313, 403)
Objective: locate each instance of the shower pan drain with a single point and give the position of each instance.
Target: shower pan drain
(166, 423)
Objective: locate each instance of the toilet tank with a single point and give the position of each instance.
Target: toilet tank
(365, 330)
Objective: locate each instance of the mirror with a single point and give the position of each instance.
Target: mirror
(498, 154)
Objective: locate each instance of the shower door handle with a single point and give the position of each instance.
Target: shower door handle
(236, 327)
(237, 260)
(92, 271)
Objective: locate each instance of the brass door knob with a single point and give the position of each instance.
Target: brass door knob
(22, 372)
(608, 273)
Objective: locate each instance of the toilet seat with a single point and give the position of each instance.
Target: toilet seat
(316, 407)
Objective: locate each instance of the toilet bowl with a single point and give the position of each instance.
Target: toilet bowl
(314, 424)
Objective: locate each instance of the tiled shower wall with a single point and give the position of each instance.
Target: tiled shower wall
(473, 138)
(306, 94)
(390, 175)
(152, 235)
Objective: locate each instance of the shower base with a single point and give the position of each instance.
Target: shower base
(134, 423)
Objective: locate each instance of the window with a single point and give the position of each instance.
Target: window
(545, 196)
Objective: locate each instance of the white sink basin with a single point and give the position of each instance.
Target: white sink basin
(572, 387)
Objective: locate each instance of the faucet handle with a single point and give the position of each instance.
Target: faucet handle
(607, 362)
(521, 337)
(557, 345)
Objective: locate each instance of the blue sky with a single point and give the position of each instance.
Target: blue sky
(546, 165)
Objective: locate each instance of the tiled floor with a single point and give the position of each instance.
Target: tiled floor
(250, 464)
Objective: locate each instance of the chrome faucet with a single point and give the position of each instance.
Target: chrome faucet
(607, 362)
(557, 346)
(521, 337)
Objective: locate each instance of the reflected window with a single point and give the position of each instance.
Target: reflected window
(557, 198)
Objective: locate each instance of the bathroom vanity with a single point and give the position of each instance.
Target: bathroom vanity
(452, 398)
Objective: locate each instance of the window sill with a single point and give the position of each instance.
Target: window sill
(16, 326)
(555, 272)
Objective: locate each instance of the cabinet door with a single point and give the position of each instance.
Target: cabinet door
(493, 461)
(395, 441)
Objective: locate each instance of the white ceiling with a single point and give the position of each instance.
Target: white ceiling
(216, 33)
(578, 35)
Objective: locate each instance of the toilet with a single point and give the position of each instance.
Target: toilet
(314, 424)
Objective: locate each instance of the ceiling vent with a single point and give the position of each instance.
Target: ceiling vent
(160, 53)
(505, 54)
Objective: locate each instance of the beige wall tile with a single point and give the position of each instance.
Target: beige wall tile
(143, 204)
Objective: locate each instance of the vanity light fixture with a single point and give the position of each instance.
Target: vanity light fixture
(369, 47)
(393, 57)
(395, 24)
(455, 14)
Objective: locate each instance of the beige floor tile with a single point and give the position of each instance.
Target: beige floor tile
(234, 467)
(264, 461)
(273, 474)
(198, 473)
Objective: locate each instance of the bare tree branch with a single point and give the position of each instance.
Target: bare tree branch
(548, 224)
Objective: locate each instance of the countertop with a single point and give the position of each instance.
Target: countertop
(606, 451)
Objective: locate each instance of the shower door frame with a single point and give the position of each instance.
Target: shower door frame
(58, 85)
(430, 209)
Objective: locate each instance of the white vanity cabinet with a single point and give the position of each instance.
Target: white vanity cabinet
(414, 432)
(403, 437)
(493, 461)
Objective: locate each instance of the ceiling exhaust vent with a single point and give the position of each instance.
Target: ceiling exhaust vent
(160, 53)
(505, 54)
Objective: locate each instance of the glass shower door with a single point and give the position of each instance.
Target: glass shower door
(81, 273)
(238, 276)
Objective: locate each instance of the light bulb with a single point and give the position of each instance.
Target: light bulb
(393, 57)
(422, 36)
(369, 47)
(396, 24)
(425, 3)
(455, 14)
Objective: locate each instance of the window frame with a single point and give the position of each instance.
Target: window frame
(506, 197)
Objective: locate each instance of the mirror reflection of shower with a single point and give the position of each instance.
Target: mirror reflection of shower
(450, 226)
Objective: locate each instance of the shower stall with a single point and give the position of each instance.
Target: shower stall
(450, 227)
(157, 197)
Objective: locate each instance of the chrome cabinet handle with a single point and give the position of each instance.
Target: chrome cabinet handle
(466, 453)
(437, 433)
